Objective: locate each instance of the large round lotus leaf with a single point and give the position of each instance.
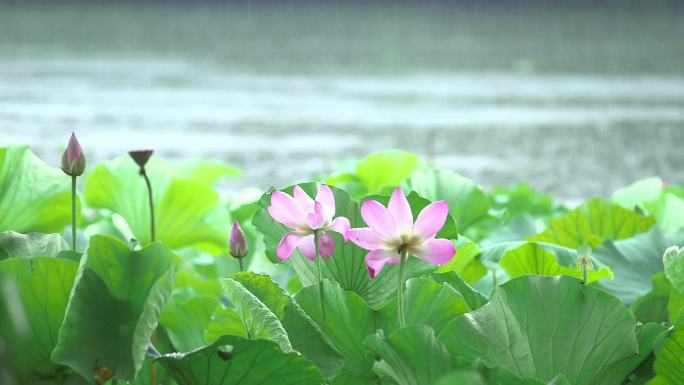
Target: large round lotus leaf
(33, 196)
(386, 169)
(33, 297)
(467, 202)
(114, 308)
(234, 360)
(347, 265)
(542, 327)
(534, 259)
(592, 223)
(187, 213)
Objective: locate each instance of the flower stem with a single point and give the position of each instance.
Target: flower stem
(320, 277)
(73, 213)
(240, 261)
(151, 200)
(153, 339)
(400, 292)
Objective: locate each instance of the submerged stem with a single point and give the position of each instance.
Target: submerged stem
(151, 201)
(320, 277)
(400, 289)
(73, 212)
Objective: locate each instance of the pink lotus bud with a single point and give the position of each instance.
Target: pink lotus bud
(238, 244)
(73, 160)
(326, 245)
(141, 156)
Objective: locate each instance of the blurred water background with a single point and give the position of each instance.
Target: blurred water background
(576, 98)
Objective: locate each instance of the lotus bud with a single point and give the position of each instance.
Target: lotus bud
(326, 245)
(73, 160)
(141, 156)
(238, 244)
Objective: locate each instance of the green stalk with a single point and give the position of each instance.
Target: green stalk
(320, 277)
(400, 293)
(241, 268)
(73, 213)
(153, 339)
(151, 201)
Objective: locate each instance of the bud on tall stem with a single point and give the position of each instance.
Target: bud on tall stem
(238, 244)
(73, 164)
(140, 157)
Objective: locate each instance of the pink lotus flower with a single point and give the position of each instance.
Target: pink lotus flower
(393, 232)
(305, 216)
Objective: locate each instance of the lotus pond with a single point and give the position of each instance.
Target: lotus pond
(391, 270)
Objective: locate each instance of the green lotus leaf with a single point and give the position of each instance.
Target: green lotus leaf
(541, 327)
(522, 199)
(187, 213)
(648, 336)
(258, 319)
(669, 358)
(592, 223)
(224, 321)
(114, 308)
(186, 321)
(634, 261)
(347, 265)
(467, 202)
(348, 321)
(650, 196)
(34, 197)
(207, 172)
(466, 262)
(493, 376)
(16, 245)
(473, 298)
(386, 169)
(638, 193)
(675, 305)
(234, 360)
(653, 306)
(533, 259)
(303, 333)
(427, 303)
(346, 378)
(33, 297)
(410, 356)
